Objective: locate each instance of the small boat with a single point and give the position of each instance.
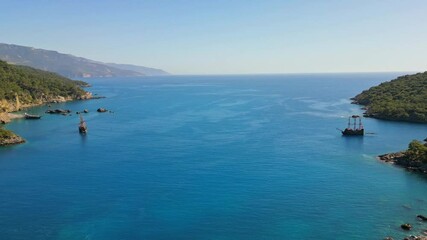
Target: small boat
(82, 126)
(355, 131)
(29, 116)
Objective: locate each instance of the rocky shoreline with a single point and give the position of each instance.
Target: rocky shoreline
(401, 159)
(414, 159)
(10, 107)
(9, 138)
(12, 141)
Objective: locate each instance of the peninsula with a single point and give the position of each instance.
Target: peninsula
(401, 99)
(22, 87)
(9, 138)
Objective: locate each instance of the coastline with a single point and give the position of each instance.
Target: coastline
(379, 116)
(401, 99)
(400, 159)
(8, 137)
(10, 108)
(256, 154)
(407, 160)
(10, 116)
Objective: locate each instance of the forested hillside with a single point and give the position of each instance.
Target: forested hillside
(402, 99)
(28, 86)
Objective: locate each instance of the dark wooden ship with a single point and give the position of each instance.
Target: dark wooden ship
(357, 130)
(82, 126)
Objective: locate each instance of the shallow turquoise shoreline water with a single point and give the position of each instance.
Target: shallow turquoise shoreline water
(211, 157)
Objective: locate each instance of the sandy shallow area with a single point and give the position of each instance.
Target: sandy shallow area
(15, 115)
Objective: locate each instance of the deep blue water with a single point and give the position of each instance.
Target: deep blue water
(211, 157)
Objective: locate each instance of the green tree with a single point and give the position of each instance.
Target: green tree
(417, 151)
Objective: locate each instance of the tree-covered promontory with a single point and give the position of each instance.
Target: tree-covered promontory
(25, 86)
(413, 159)
(401, 99)
(7, 137)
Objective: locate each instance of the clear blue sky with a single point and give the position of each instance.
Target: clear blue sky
(227, 36)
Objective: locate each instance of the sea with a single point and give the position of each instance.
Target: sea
(224, 157)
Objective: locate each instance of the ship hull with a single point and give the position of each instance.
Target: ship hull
(352, 132)
(28, 116)
(82, 129)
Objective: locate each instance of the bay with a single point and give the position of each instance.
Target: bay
(211, 157)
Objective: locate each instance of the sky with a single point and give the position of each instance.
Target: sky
(227, 36)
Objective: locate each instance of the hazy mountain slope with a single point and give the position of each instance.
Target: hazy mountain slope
(64, 64)
(140, 69)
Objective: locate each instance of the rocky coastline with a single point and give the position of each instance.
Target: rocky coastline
(9, 138)
(414, 159)
(401, 159)
(7, 108)
(8, 114)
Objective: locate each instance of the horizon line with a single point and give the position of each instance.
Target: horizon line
(284, 73)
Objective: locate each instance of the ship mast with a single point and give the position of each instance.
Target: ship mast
(354, 123)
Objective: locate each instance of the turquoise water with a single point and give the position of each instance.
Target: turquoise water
(211, 157)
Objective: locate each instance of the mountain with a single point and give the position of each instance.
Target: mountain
(144, 70)
(401, 99)
(65, 64)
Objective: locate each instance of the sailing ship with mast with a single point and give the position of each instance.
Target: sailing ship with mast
(82, 125)
(356, 130)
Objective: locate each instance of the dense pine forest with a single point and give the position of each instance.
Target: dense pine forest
(402, 99)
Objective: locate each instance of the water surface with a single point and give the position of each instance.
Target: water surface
(211, 157)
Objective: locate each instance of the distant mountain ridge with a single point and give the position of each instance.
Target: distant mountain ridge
(140, 69)
(68, 65)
